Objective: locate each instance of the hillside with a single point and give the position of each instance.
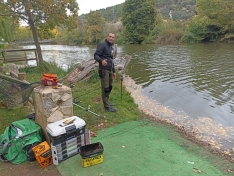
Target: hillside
(180, 10)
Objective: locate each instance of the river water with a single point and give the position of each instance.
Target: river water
(196, 79)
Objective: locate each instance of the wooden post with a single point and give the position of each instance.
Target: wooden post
(26, 57)
(36, 57)
(4, 58)
(22, 76)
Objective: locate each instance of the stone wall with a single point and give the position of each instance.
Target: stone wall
(52, 105)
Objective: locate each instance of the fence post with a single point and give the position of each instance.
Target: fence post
(36, 56)
(26, 57)
(22, 77)
(3, 55)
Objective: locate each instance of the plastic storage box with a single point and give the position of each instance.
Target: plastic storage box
(59, 131)
(66, 137)
(91, 154)
(66, 149)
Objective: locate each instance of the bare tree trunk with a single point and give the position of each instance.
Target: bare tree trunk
(35, 37)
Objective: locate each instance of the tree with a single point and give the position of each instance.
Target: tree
(138, 18)
(41, 15)
(220, 13)
(5, 30)
(95, 28)
(23, 33)
(197, 29)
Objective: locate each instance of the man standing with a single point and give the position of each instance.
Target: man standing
(104, 55)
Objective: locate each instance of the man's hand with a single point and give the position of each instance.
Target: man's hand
(114, 75)
(104, 62)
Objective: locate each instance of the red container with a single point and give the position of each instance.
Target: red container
(49, 79)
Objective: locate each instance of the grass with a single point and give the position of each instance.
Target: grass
(88, 93)
(10, 115)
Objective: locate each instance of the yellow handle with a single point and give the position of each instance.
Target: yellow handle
(68, 121)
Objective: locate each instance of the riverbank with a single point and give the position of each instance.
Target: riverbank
(202, 131)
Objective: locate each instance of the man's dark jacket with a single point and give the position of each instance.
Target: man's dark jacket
(105, 51)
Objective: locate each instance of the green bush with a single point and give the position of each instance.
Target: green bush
(171, 36)
(1, 47)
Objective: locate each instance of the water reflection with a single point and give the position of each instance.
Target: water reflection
(196, 79)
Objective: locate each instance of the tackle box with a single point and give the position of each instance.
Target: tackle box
(65, 129)
(66, 149)
(66, 137)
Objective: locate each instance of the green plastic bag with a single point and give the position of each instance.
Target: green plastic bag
(18, 139)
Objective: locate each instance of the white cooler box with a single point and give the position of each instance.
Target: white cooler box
(66, 138)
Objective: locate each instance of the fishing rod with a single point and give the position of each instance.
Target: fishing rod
(123, 75)
(76, 101)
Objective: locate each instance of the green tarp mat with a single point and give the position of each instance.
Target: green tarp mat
(143, 148)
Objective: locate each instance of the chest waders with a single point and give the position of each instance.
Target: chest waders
(106, 82)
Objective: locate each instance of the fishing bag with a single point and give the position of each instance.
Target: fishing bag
(17, 141)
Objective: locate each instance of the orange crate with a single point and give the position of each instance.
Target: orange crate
(43, 155)
(50, 75)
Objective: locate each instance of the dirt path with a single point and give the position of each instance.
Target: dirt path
(27, 169)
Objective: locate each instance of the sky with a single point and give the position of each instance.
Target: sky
(86, 5)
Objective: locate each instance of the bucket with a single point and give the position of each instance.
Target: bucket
(91, 154)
